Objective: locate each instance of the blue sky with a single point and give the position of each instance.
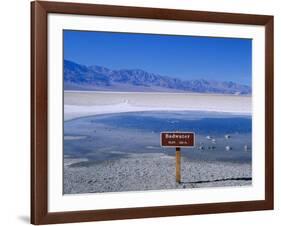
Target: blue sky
(184, 57)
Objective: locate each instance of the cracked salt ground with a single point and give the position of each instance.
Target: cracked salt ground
(151, 172)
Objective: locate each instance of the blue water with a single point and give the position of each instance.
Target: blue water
(117, 135)
(175, 122)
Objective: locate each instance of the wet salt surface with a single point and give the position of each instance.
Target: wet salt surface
(115, 136)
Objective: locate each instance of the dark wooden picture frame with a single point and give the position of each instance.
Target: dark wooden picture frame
(39, 112)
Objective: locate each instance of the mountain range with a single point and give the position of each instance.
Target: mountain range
(98, 78)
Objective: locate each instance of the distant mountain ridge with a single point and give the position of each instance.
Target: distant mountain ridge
(81, 77)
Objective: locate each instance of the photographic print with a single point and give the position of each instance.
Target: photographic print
(123, 90)
(149, 112)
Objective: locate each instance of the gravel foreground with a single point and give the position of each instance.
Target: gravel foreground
(139, 172)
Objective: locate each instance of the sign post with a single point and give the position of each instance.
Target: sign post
(178, 165)
(177, 140)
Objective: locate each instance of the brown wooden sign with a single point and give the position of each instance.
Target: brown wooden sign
(177, 139)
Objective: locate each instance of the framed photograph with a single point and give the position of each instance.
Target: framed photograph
(149, 112)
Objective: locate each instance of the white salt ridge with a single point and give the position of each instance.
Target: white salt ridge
(79, 103)
(76, 111)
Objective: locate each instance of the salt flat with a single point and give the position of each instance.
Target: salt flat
(85, 103)
(131, 160)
